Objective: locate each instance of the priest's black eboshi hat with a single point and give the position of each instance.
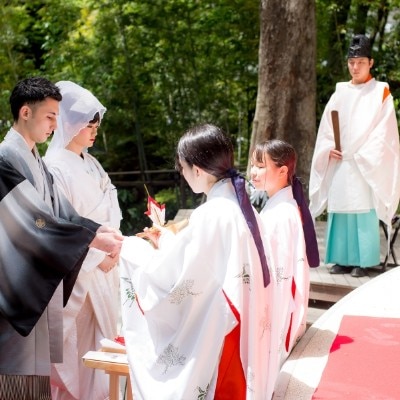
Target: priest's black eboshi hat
(360, 46)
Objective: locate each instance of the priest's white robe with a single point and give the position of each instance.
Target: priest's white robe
(286, 256)
(368, 176)
(175, 308)
(92, 310)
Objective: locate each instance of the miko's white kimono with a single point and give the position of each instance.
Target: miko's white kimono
(92, 310)
(368, 175)
(175, 304)
(286, 256)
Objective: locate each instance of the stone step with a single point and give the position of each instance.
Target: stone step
(322, 291)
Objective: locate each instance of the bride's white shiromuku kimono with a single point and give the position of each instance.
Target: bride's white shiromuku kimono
(92, 310)
(179, 304)
(286, 255)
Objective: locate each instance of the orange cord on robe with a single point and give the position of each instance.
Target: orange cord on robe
(386, 91)
(231, 383)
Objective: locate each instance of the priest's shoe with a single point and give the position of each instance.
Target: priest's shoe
(340, 269)
(358, 272)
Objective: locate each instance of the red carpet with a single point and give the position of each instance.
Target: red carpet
(364, 361)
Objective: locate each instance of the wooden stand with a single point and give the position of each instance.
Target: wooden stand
(114, 369)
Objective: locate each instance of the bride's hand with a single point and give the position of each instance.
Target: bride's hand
(108, 263)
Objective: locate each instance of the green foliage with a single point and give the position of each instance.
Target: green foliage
(133, 217)
(337, 22)
(171, 197)
(13, 60)
(159, 67)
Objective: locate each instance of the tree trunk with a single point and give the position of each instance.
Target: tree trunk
(286, 97)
